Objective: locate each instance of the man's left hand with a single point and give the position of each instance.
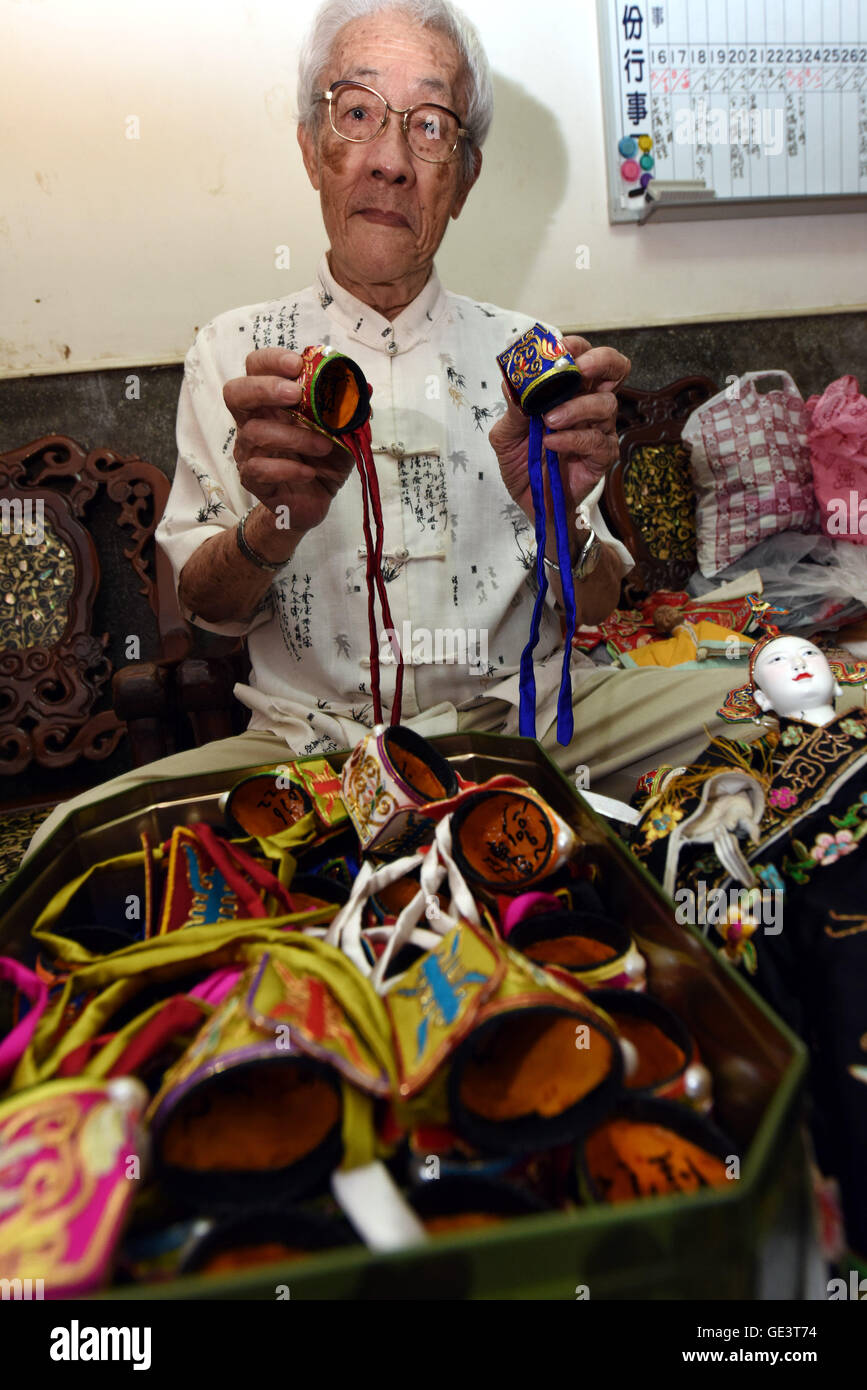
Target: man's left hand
(582, 431)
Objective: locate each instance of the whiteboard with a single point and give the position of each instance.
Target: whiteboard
(756, 99)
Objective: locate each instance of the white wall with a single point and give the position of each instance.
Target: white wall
(115, 250)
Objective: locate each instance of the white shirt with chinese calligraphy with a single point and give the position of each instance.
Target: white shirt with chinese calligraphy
(459, 555)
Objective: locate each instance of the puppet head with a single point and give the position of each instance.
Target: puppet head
(791, 677)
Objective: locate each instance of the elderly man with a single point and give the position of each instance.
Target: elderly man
(395, 103)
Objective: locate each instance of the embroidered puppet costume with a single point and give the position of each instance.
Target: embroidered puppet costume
(800, 928)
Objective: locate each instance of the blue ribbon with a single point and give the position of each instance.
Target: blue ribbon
(565, 719)
(527, 679)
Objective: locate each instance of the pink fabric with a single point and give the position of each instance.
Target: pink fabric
(837, 435)
(215, 988)
(71, 1181)
(528, 905)
(750, 465)
(15, 1043)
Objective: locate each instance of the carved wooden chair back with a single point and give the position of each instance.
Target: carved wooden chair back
(55, 689)
(649, 496)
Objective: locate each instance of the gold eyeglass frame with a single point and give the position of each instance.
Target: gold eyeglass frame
(404, 114)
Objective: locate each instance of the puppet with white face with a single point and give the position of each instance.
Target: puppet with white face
(792, 677)
(773, 834)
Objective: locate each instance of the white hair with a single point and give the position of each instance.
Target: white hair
(440, 15)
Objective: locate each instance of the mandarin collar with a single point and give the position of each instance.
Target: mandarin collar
(363, 324)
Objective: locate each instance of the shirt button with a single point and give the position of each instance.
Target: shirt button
(392, 347)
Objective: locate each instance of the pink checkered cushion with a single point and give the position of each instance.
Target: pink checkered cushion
(751, 469)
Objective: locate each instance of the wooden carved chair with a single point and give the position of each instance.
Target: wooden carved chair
(648, 499)
(63, 633)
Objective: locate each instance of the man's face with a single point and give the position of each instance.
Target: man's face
(793, 675)
(385, 210)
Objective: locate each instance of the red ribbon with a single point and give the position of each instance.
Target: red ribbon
(359, 444)
(223, 853)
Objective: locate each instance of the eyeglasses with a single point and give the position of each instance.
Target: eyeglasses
(359, 114)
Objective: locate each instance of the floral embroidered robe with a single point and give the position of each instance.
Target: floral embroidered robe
(810, 961)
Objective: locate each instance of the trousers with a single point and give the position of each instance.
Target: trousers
(626, 723)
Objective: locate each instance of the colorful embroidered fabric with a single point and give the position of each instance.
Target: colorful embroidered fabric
(223, 988)
(212, 880)
(628, 629)
(800, 931)
(66, 1182)
(691, 644)
(300, 999)
(661, 500)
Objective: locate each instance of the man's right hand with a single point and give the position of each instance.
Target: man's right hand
(280, 461)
